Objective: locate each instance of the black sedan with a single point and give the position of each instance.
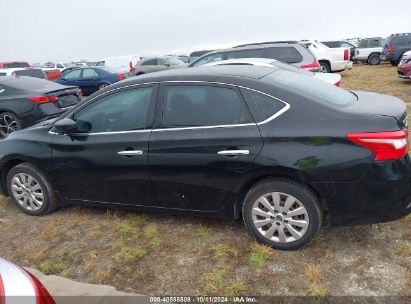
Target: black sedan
(25, 101)
(279, 149)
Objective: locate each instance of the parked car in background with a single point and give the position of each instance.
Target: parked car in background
(197, 54)
(90, 79)
(14, 64)
(395, 46)
(290, 52)
(404, 67)
(330, 59)
(230, 142)
(155, 64)
(17, 285)
(183, 58)
(369, 50)
(334, 78)
(51, 72)
(59, 65)
(38, 73)
(125, 63)
(25, 101)
(341, 44)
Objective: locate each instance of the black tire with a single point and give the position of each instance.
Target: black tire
(49, 201)
(302, 193)
(102, 85)
(374, 59)
(394, 63)
(9, 123)
(325, 67)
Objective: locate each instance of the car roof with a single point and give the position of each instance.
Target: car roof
(239, 61)
(229, 73)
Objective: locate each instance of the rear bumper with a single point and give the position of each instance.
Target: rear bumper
(341, 66)
(382, 195)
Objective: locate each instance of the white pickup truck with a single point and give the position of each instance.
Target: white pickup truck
(330, 59)
(369, 50)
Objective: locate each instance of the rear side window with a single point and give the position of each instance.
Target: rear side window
(88, 73)
(261, 106)
(197, 106)
(287, 54)
(314, 89)
(150, 62)
(73, 74)
(256, 53)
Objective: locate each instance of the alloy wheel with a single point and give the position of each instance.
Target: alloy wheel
(280, 217)
(8, 124)
(27, 191)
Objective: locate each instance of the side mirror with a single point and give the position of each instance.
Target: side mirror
(66, 126)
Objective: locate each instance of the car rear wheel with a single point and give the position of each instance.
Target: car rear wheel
(282, 214)
(374, 59)
(325, 67)
(8, 123)
(102, 85)
(30, 190)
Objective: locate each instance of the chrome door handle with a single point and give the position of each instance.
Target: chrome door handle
(130, 152)
(233, 152)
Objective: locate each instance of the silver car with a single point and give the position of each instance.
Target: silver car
(156, 64)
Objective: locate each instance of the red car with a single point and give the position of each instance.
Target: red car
(404, 68)
(17, 285)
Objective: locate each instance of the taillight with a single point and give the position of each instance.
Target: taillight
(385, 145)
(346, 55)
(120, 76)
(42, 295)
(338, 84)
(43, 99)
(2, 296)
(389, 49)
(312, 65)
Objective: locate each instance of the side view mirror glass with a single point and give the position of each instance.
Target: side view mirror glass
(66, 126)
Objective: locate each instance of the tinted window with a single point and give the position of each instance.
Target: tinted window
(73, 74)
(332, 44)
(209, 58)
(150, 62)
(306, 86)
(161, 61)
(16, 65)
(260, 105)
(59, 66)
(256, 53)
(31, 72)
(346, 45)
(88, 73)
(370, 43)
(191, 106)
(123, 111)
(287, 54)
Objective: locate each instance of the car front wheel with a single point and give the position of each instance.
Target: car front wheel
(282, 214)
(30, 189)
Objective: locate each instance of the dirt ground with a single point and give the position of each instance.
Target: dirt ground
(156, 254)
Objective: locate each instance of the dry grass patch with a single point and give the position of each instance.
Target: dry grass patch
(52, 268)
(102, 277)
(126, 229)
(204, 232)
(317, 290)
(130, 255)
(259, 255)
(213, 281)
(236, 288)
(223, 251)
(403, 249)
(152, 234)
(312, 273)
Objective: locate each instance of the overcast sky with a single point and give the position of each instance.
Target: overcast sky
(43, 30)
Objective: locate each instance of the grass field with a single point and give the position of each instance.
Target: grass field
(157, 254)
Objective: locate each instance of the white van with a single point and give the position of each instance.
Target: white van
(123, 64)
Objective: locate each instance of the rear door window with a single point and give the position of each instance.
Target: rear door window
(287, 54)
(150, 62)
(89, 73)
(255, 53)
(198, 106)
(73, 74)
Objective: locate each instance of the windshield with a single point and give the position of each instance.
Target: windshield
(175, 61)
(314, 89)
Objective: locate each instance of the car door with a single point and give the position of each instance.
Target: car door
(88, 81)
(106, 161)
(204, 142)
(149, 66)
